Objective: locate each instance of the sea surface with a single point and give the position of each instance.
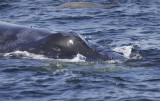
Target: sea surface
(131, 27)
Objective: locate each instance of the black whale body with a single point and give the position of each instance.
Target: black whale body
(58, 45)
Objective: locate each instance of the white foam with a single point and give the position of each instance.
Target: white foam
(115, 61)
(24, 54)
(77, 58)
(126, 50)
(60, 71)
(27, 55)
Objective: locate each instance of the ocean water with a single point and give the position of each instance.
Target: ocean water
(131, 27)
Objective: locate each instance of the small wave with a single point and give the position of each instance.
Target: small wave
(71, 18)
(24, 55)
(115, 61)
(60, 71)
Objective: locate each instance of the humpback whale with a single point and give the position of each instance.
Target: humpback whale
(60, 45)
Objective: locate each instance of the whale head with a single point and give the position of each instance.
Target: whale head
(67, 46)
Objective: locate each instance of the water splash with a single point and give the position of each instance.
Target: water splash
(77, 58)
(24, 55)
(126, 50)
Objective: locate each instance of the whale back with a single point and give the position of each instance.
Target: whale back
(12, 35)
